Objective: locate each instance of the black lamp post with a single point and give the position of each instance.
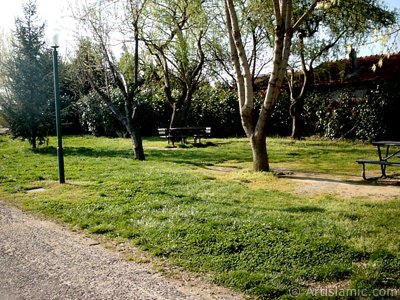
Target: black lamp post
(60, 152)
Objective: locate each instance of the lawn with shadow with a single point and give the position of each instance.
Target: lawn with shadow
(244, 230)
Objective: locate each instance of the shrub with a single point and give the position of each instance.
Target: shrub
(97, 118)
(341, 117)
(371, 117)
(153, 112)
(3, 122)
(379, 112)
(281, 123)
(216, 107)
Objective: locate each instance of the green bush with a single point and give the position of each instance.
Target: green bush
(379, 112)
(374, 116)
(281, 123)
(97, 118)
(341, 117)
(153, 112)
(216, 107)
(3, 122)
(313, 113)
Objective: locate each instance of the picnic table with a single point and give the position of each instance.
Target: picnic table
(181, 134)
(386, 157)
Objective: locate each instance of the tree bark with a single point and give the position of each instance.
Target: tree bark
(137, 142)
(284, 29)
(296, 109)
(180, 109)
(33, 142)
(178, 116)
(259, 151)
(297, 103)
(137, 145)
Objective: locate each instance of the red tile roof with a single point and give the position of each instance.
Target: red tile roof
(339, 72)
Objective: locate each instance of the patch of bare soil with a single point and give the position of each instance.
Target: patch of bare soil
(311, 184)
(315, 183)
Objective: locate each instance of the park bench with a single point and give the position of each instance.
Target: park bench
(384, 160)
(181, 134)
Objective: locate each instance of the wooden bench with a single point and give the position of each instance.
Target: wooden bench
(382, 163)
(182, 133)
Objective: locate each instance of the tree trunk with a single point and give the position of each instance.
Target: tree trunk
(180, 112)
(260, 154)
(296, 131)
(284, 29)
(33, 142)
(176, 117)
(137, 144)
(296, 109)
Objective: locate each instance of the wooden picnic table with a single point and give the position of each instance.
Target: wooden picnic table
(181, 134)
(386, 157)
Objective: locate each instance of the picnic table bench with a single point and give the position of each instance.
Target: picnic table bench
(384, 159)
(182, 133)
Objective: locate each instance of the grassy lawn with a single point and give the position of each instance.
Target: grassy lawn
(203, 210)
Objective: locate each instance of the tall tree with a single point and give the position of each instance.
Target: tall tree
(103, 19)
(285, 25)
(177, 42)
(288, 18)
(26, 100)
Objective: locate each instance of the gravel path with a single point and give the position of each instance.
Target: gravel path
(42, 260)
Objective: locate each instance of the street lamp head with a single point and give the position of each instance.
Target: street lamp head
(55, 42)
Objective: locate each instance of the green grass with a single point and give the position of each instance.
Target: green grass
(202, 209)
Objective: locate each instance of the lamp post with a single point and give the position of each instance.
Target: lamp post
(60, 152)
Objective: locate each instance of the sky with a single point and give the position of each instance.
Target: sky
(56, 14)
(50, 11)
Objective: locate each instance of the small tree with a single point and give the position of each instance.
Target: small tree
(26, 99)
(100, 67)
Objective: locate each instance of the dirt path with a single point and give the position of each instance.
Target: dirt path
(43, 260)
(307, 183)
(311, 184)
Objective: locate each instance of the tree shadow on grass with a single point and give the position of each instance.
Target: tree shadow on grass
(199, 155)
(85, 151)
(304, 209)
(194, 156)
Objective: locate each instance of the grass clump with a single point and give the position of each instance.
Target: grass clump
(202, 209)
